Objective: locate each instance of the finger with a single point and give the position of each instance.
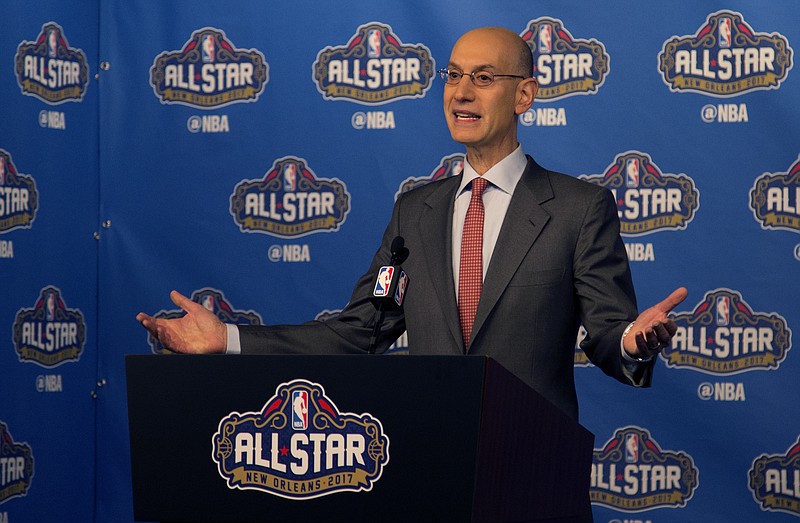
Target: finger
(673, 300)
(149, 323)
(182, 301)
(641, 345)
(661, 334)
(671, 327)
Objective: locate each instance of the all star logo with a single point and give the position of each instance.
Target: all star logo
(723, 336)
(374, 68)
(19, 199)
(562, 64)
(725, 57)
(451, 165)
(50, 333)
(632, 473)
(16, 472)
(300, 446)
(648, 200)
(214, 300)
(775, 481)
(209, 72)
(49, 69)
(775, 199)
(290, 201)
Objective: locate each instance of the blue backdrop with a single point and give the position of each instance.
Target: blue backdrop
(248, 155)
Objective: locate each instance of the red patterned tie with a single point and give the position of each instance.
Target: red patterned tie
(470, 272)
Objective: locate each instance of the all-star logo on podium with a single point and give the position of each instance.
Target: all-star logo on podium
(300, 446)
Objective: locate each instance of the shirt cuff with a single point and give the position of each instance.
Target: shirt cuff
(234, 345)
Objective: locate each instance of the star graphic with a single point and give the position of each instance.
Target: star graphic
(284, 451)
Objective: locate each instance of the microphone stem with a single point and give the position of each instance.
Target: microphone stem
(376, 329)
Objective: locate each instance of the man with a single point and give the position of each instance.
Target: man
(546, 251)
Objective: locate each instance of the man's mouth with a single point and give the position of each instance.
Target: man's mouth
(466, 116)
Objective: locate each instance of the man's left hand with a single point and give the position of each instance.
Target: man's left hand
(653, 329)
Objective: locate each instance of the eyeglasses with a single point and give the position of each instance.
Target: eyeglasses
(479, 78)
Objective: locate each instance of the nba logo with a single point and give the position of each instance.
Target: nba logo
(52, 43)
(458, 167)
(400, 292)
(208, 48)
(289, 177)
(632, 172)
(384, 281)
(545, 38)
(723, 310)
(51, 306)
(208, 303)
(374, 43)
(631, 448)
(299, 409)
(724, 32)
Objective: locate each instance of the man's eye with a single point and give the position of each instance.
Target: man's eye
(483, 77)
(454, 75)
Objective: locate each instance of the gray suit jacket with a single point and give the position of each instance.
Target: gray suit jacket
(559, 261)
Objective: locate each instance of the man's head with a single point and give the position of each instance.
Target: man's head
(484, 119)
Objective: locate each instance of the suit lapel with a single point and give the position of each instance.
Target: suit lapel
(523, 223)
(435, 229)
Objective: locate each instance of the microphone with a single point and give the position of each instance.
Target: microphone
(390, 287)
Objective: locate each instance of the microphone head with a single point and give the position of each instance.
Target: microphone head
(397, 244)
(401, 255)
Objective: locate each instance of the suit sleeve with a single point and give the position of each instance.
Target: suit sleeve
(604, 291)
(348, 333)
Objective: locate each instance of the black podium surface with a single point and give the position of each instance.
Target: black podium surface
(465, 440)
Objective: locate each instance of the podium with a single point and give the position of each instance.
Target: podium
(462, 439)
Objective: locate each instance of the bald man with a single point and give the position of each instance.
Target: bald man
(549, 257)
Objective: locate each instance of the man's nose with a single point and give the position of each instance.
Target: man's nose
(465, 89)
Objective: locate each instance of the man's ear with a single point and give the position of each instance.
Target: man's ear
(526, 93)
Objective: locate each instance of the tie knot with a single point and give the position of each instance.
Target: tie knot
(478, 186)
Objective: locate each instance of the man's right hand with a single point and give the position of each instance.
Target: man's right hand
(197, 332)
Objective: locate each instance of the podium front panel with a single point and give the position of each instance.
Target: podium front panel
(429, 408)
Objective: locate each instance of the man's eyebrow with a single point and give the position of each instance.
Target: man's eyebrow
(481, 67)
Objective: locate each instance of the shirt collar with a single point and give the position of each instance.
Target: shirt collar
(504, 175)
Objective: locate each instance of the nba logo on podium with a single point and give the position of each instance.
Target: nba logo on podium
(300, 409)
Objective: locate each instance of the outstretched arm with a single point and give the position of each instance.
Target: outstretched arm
(199, 331)
(653, 329)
